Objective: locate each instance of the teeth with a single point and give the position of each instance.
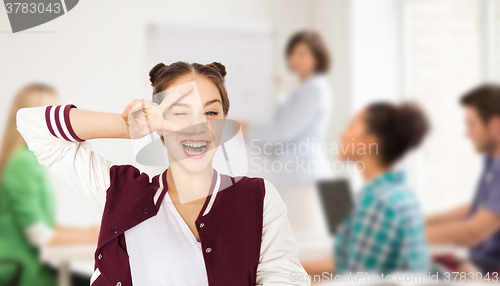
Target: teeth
(195, 144)
(196, 153)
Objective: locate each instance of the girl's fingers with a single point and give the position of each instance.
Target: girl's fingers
(141, 108)
(141, 122)
(137, 105)
(142, 114)
(135, 112)
(128, 110)
(130, 106)
(174, 97)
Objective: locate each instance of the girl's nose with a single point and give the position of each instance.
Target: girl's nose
(201, 127)
(197, 124)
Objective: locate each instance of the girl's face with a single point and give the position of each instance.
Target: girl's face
(47, 98)
(356, 140)
(302, 61)
(200, 111)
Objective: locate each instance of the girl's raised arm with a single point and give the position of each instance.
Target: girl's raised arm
(57, 134)
(49, 133)
(93, 125)
(140, 118)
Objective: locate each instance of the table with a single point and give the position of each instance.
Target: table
(63, 256)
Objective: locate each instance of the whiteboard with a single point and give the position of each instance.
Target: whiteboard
(245, 50)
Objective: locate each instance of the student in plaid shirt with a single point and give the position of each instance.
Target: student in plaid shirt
(385, 231)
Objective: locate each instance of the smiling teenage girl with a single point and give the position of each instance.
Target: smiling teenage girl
(189, 225)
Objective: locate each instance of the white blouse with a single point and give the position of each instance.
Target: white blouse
(174, 246)
(165, 235)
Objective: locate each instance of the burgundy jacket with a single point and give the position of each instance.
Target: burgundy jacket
(230, 233)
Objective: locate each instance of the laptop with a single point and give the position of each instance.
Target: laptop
(336, 199)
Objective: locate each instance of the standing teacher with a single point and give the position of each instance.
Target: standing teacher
(297, 132)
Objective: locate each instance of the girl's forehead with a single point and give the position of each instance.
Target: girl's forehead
(203, 90)
(203, 84)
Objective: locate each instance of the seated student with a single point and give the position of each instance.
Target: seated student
(27, 204)
(385, 231)
(477, 224)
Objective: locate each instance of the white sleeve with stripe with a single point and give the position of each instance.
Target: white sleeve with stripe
(47, 131)
(278, 263)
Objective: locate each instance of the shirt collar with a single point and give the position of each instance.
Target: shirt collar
(491, 163)
(214, 189)
(389, 177)
(212, 193)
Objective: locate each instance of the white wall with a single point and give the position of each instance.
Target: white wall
(446, 59)
(375, 51)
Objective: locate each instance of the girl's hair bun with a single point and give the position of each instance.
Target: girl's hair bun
(411, 124)
(218, 67)
(155, 72)
(399, 128)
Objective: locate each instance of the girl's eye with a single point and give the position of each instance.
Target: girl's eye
(180, 113)
(211, 113)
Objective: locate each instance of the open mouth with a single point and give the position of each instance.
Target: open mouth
(194, 148)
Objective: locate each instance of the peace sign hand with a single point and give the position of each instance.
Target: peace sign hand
(144, 117)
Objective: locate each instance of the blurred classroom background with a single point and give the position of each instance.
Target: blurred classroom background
(430, 51)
